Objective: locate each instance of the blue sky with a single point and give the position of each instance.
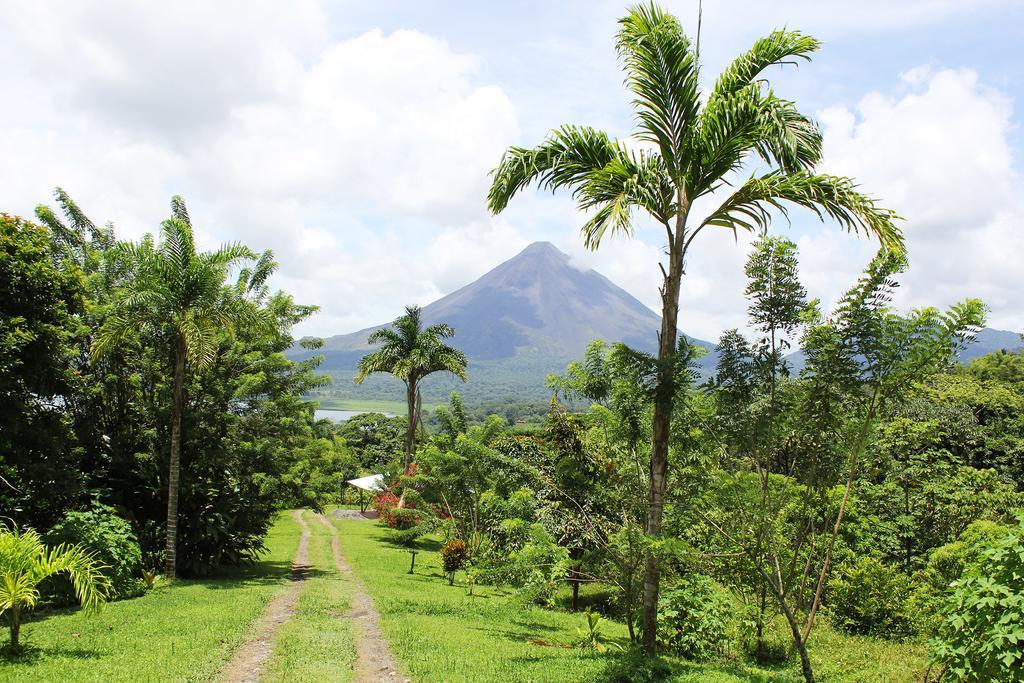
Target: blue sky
(354, 138)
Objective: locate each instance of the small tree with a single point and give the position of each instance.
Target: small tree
(25, 562)
(860, 361)
(411, 352)
(454, 554)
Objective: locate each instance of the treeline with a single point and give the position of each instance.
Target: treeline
(875, 491)
(94, 332)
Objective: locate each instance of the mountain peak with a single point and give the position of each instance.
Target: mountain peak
(541, 249)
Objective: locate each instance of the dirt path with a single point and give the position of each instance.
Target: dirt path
(374, 660)
(246, 665)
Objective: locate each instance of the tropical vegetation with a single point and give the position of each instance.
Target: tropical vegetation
(838, 499)
(689, 145)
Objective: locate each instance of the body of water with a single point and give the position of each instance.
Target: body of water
(339, 415)
(335, 415)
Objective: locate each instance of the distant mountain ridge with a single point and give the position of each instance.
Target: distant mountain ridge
(528, 317)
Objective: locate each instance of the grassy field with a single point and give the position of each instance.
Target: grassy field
(440, 633)
(185, 631)
(179, 632)
(367, 406)
(316, 643)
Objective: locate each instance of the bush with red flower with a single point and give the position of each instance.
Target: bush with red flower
(387, 503)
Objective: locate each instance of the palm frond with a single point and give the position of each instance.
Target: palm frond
(410, 352)
(661, 71)
(386, 335)
(76, 218)
(627, 182)
(179, 210)
(827, 196)
(199, 335)
(565, 159)
(778, 47)
(114, 331)
(749, 120)
(84, 570)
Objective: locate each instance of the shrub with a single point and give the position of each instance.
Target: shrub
(870, 598)
(538, 567)
(400, 518)
(633, 666)
(945, 565)
(691, 618)
(454, 554)
(981, 636)
(409, 536)
(111, 540)
(384, 501)
(394, 517)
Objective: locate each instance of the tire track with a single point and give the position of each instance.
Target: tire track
(374, 660)
(246, 665)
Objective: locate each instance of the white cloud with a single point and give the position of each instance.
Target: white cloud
(937, 151)
(362, 162)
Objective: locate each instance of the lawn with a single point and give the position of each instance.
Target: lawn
(316, 644)
(178, 632)
(441, 633)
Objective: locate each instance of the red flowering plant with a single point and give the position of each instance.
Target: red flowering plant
(385, 500)
(387, 504)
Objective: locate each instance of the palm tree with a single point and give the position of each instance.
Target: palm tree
(25, 562)
(182, 293)
(690, 146)
(410, 353)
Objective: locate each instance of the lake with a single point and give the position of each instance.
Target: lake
(339, 415)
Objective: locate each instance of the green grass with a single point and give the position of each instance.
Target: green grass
(440, 633)
(316, 644)
(182, 631)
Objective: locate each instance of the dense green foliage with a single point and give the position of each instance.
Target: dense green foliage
(88, 427)
(442, 633)
(869, 597)
(855, 490)
(981, 637)
(41, 306)
(693, 618)
(110, 540)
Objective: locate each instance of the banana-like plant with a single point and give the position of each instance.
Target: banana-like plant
(25, 561)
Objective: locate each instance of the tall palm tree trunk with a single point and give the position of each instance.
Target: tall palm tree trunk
(15, 628)
(665, 394)
(410, 427)
(170, 554)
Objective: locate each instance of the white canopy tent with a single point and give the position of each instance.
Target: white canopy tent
(372, 483)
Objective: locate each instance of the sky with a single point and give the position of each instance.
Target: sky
(355, 139)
